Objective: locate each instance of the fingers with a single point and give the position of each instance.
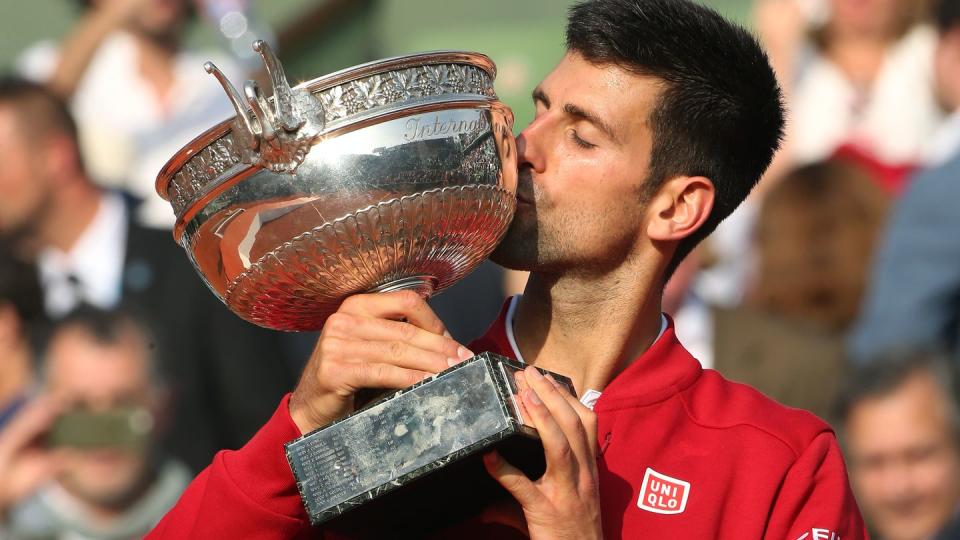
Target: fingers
(362, 328)
(380, 340)
(383, 375)
(512, 479)
(566, 439)
(397, 305)
(587, 417)
(35, 419)
(397, 353)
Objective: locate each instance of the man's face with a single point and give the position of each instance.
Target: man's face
(161, 19)
(25, 185)
(870, 17)
(96, 377)
(583, 161)
(904, 461)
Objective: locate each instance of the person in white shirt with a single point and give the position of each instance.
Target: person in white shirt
(226, 373)
(137, 94)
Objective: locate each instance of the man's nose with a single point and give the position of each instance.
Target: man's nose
(530, 149)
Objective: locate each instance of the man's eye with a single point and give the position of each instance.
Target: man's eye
(580, 142)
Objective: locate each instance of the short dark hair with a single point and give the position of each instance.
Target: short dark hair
(721, 111)
(887, 373)
(37, 107)
(108, 327)
(947, 15)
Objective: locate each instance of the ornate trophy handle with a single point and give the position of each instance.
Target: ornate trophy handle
(278, 137)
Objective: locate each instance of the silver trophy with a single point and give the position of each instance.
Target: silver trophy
(396, 174)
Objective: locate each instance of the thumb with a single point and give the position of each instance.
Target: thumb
(512, 479)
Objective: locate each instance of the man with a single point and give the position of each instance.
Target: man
(901, 427)
(137, 92)
(911, 301)
(107, 480)
(226, 375)
(654, 126)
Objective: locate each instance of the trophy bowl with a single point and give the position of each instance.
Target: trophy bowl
(395, 174)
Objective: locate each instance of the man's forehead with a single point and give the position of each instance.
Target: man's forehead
(73, 351)
(621, 96)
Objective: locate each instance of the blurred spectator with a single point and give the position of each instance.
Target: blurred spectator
(914, 296)
(814, 238)
(21, 308)
(227, 375)
(468, 306)
(900, 423)
(137, 94)
(857, 73)
(108, 479)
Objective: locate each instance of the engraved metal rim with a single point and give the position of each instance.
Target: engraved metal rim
(319, 84)
(447, 103)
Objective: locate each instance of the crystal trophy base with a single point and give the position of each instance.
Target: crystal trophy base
(408, 435)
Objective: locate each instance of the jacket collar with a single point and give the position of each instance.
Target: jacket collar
(661, 371)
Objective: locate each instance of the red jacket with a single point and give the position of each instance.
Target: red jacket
(684, 453)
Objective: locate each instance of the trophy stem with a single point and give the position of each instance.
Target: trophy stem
(423, 285)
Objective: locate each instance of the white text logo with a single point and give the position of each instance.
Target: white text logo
(662, 494)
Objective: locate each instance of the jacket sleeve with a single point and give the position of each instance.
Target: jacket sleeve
(247, 493)
(815, 500)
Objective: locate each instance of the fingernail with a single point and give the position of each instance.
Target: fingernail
(464, 353)
(534, 372)
(550, 378)
(447, 334)
(533, 397)
(452, 362)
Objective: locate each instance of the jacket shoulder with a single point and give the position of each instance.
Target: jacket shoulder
(714, 401)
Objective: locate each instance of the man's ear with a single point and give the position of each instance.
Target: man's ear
(680, 207)
(62, 156)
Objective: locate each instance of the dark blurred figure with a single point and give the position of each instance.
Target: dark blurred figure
(21, 309)
(137, 91)
(105, 478)
(814, 238)
(226, 375)
(469, 305)
(900, 422)
(914, 296)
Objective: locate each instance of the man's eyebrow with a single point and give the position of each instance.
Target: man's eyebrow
(538, 95)
(576, 111)
(573, 110)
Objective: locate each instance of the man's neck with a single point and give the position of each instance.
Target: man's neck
(589, 329)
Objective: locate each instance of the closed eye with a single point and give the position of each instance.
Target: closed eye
(579, 141)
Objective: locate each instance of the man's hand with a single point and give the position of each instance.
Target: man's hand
(380, 340)
(565, 501)
(25, 466)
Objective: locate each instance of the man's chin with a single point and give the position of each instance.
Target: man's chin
(513, 259)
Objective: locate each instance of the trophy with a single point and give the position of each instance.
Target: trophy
(391, 175)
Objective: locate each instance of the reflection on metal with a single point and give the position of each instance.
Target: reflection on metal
(394, 174)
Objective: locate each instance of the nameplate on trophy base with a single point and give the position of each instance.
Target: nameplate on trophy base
(409, 434)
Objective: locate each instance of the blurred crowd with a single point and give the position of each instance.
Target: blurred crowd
(834, 288)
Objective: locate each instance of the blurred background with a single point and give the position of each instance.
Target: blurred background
(834, 288)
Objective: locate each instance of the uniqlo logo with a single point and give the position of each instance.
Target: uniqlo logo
(663, 495)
